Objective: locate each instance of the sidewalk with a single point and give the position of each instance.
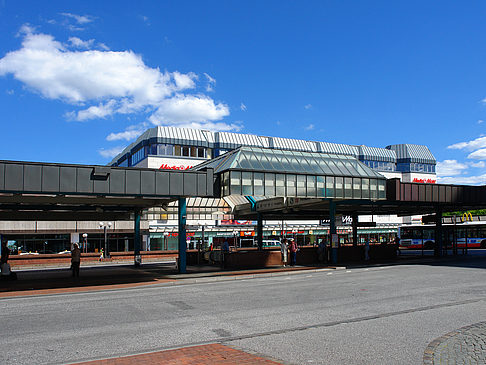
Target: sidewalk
(110, 276)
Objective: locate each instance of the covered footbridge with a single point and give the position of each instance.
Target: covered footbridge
(63, 192)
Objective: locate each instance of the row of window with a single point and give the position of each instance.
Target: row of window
(289, 185)
(380, 165)
(160, 149)
(416, 167)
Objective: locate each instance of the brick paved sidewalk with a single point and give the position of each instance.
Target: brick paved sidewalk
(214, 354)
(466, 345)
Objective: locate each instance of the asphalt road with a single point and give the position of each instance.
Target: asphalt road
(381, 315)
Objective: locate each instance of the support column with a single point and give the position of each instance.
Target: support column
(355, 229)
(137, 239)
(182, 214)
(438, 233)
(260, 232)
(332, 230)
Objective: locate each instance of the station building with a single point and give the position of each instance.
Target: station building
(210, 220)
(172, 148)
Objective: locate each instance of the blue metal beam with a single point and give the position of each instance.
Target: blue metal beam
(182, 214)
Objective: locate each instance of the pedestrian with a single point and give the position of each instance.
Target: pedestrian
(101, 255)
(293, 252)
(367, 250)
(284, 247)
(4, 266)
(5, 253)
(321, 252)
(75, 259)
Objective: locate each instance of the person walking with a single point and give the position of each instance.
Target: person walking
(284, 249)
(293, 252)
(4, 266)
(75, 260)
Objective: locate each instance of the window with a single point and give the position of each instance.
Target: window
(258, 184)
(185, 151)
(235, 183)
(177, 151)
(270, 184)
(201, 152)
(290, 179)
(280, 184)
(246, 183)
(193, 151)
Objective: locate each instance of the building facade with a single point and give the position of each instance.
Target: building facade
(184, 148)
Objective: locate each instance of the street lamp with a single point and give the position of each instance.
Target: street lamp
(85, 242)
(166, 243)
(106, 253)
(234, 234)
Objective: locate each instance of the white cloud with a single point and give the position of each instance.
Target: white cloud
(310, 127)
(183, 109)
(211, 83)
(79, 43)
(480, 121)
(479, 164)
(80, 19)
(450, 168)
(127, 135)
(463, 180)
(103, 46)
(478, 154)
(145, 19)
(107, 82)
(308, 106)
(243, 107)
(93, 112)
(470, 145)
(110, 153)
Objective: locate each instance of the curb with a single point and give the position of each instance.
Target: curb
(429, 353)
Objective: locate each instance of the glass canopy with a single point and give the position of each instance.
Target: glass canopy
(257, 171)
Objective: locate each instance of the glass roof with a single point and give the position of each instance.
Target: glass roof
(273, 160)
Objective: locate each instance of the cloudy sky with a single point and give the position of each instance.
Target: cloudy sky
(79, 80)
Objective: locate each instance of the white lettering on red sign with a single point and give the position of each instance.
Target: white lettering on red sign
(174, 167)
(424, 181)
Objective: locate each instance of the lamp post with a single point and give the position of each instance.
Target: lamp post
(166, 243)
(234, 234)
(85, 242)
(106, 252)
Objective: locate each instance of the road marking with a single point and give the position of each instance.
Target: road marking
(348, 270)
(329, 273)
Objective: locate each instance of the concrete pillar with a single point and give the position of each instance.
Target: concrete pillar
(355, 229)
(438, 233)
(137, 239)
(182, 214)
(332, 230)
(260, 232)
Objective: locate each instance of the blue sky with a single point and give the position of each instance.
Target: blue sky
(79, 80)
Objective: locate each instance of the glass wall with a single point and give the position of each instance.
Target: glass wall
(305, 186)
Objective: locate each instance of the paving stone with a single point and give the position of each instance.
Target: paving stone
(464, 346)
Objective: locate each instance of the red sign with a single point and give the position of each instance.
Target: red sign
(174, 167)
(424, 181)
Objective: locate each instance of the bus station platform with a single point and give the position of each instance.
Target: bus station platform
(100, 276)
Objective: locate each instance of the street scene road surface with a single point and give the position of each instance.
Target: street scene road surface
(365, 315)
